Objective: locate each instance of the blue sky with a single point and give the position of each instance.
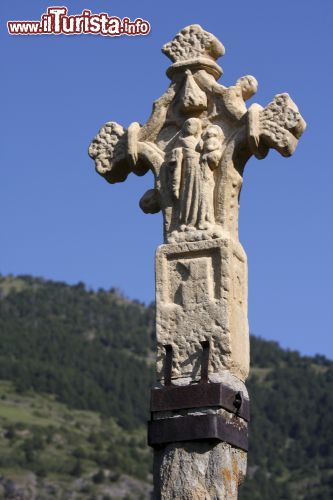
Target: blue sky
(60, 220)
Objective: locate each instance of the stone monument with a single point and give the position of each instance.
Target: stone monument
(196, 142)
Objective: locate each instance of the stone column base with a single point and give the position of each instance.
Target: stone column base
(198, 471)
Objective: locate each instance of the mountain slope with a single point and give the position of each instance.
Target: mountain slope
(94, 350)
(48, 450)
(90, 349)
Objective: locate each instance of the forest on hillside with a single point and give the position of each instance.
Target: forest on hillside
(69, 354)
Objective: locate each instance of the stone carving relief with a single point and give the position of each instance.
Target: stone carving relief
(197, 142)
(199, 136)
(193, 159)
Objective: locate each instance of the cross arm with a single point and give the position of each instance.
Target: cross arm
(118, 151)
(278, 126)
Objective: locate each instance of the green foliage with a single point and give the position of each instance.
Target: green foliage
(88, 348)
(291, 432)
(74, 444)
(99, 477)
(91, 350)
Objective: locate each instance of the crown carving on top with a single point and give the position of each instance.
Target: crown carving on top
(191, 43)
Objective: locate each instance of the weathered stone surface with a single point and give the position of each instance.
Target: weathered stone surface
(198, 471)
(201, 294)
(197, 142)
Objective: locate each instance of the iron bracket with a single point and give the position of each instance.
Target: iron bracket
(198, 427)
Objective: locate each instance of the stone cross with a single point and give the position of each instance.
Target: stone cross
(197, 142)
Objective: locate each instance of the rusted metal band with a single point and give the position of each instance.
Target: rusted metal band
(200, 395)
(197, 427)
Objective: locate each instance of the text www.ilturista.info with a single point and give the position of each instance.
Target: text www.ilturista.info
(56, 21)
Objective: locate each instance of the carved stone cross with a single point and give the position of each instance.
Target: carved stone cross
(197, 142)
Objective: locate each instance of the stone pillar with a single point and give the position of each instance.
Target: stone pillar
(197, 142)
(203, 354)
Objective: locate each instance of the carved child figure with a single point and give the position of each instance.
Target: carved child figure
(211, 155)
